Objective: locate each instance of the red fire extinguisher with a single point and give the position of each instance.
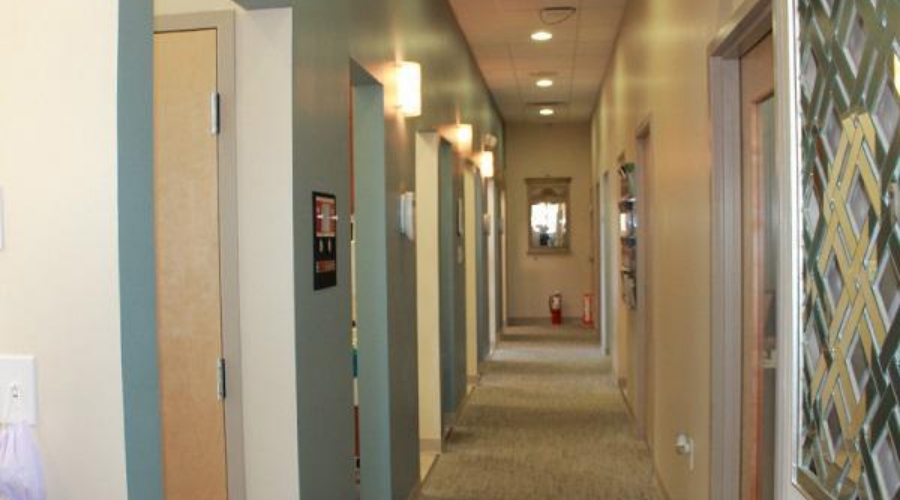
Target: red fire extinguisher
(556, 308)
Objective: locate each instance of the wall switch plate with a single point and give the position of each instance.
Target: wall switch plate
(18, 389)
(408, 215)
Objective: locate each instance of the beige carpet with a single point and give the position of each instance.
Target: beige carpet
(545, 423)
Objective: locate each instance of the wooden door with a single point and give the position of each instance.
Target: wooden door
(189, 308)
(760, 230)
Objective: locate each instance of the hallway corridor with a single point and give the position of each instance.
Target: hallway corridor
(545, 423)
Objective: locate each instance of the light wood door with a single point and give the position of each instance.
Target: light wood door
(759, 214)
(189, 308)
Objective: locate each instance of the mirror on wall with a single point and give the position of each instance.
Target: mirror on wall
(548, 215)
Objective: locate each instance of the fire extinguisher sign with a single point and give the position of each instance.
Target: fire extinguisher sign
(324, 241)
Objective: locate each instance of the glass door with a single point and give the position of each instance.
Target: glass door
(850, 377)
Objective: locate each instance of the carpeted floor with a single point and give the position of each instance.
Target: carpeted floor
(545, 423)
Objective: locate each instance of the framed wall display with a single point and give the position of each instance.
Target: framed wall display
(548, 215)
(628, 221)
(324, 241)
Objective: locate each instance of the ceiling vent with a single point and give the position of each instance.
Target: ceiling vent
(557, 15)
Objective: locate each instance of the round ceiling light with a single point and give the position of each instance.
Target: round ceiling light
(547, 112)
(544, 83)
(541, 36)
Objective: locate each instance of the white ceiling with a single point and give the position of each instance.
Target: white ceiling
(499, 32)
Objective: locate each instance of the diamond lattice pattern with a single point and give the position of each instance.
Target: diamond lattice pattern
(851, 378)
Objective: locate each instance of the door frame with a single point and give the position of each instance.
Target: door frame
(223, 23)
(747, 26)
(608, 272)
(643, 318)
(429, 152)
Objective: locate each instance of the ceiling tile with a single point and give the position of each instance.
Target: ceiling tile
(498, 32)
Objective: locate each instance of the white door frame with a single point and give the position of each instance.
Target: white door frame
(750, 22)
(788, 153)
(223, 23)
(609, 288)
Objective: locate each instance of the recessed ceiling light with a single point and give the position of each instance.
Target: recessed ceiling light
(547, 112)
(544, 83)
(541, 36)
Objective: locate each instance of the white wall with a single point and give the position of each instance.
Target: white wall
(59, 277)
(548, 151)
(264, 163)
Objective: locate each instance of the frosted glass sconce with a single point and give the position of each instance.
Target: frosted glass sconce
(486, 164)
(409, 89)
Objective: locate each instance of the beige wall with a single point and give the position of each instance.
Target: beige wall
(659, 72)
(548, 151)
(471, 182)
(264, 163)
(59, 276)
(428, 288)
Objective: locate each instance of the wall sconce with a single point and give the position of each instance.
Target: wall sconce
(409, 89)
(460, 135)
(486, 164)
(463, 137)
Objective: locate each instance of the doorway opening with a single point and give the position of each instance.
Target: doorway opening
(745, 256)
(195, 211)
(644, 338)
(608, 271)
(492, 265)
(453, 286)
(434, 294)
(370, 282)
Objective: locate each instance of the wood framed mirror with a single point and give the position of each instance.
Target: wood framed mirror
(548, 215)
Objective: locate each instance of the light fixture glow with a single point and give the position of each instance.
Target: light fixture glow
(544, 83)
(409, 89)
(464, 135)
(541, 36)
(486, 164)
(547, 112)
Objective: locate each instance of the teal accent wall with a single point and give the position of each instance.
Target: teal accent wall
(328, 35)
(137, 265)
(375, 395)
(452, 283)
(481, 287)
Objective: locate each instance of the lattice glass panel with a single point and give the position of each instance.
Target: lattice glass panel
(851, 158)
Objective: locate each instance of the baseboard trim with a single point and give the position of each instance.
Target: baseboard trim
(416, 493)
(660, 485)
(431, 446)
